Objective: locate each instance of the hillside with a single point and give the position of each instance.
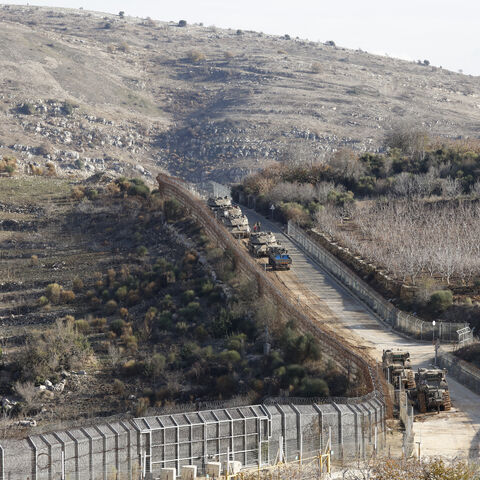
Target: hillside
(91, 92)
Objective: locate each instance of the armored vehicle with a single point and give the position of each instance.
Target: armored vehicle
(398, 369)
(278, 258)
(230, 211)
(432, 390)
(238, 226)
(215, 203)
(260, 242)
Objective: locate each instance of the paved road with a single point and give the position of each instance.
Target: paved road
(451, 433)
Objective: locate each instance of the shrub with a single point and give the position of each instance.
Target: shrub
(142, 250)
(67, 108)
(121, 293)
(26, 109)
(172, 209)
(118, 387)
(60, 346)
(196, 56)
(51, 171)
(226, 385)
(8, 164)
(111, 307)
(313, 387)
(82, 326)
(230, 356)
(440, 301)
(142, 406)
(77, 284)
(117, 326)
(182, 23)
(98, 322)
(121, 14)
(67, 296)
(316, 67)
(53, 292)
(156, 365)
(188, 296)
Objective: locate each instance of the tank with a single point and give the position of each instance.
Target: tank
(230, 211)
(398, 369)
(260, 242)
(431, 391)
(215, 203)
(278, 258)
(238, 226)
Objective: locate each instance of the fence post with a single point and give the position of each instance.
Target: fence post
(90, 451)
(2, 463)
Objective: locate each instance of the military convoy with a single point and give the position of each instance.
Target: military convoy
(427, 389)
(260, 244)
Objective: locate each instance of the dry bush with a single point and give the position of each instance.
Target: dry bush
(34, 260)
(56, 348)
(196, 56)
(8, 164)
(27, 391)
(316, 67)
(51, 170)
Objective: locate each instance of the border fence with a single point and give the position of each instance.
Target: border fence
(361, 365)
(254, 435)
(397, 319)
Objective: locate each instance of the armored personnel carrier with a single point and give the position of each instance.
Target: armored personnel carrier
(260, 242)
(216, 203)
(398, 369)
(278, 258)
(431, 392)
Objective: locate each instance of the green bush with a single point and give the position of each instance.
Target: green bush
(117, 326)
(230, 356)
(121, 293)
(313, 387)
(172, 209)
(111, 307)
(440, 301)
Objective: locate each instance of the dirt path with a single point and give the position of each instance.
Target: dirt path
(452, 433)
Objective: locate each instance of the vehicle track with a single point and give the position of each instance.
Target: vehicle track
(451, 434)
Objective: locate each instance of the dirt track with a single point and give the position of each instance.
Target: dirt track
(454, 433)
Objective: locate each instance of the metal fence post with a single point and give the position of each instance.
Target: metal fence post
(90, 452)
(2, 463)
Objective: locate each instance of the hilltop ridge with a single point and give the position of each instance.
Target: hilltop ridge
(203, 102)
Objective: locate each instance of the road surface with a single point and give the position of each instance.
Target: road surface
(451, 434)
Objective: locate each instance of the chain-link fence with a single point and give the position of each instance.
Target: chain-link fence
(254, 436)
(401, 321)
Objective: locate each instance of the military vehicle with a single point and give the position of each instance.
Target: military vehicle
(432, 390)
(230, 211)
(278, 258)
(238, 226)
(216, 203)
(398, 369)
(260, 242)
